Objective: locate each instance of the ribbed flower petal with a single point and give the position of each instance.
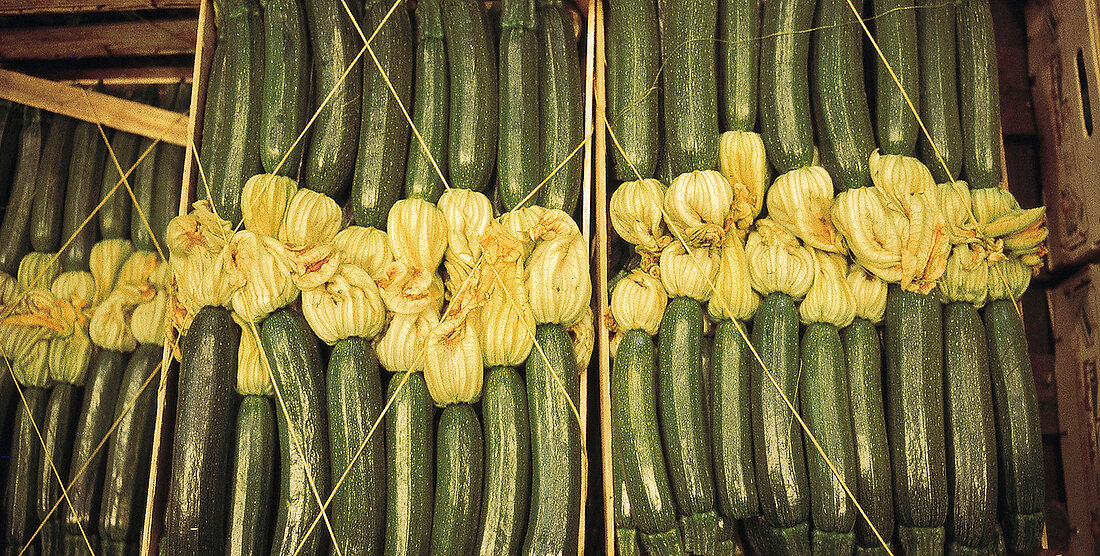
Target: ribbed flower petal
(264, 201)
(401, 345)
(261, 266)
(698, 204)
(311, 219)
(955, 206)
(253, 377)
(635, 211)
(366, 248)
(638, 302)
(453, 370)
(801, 201)
(105, 262)
(1008, 279)
(742, 159)
(199, 230)
(583, 335)
(506, 323)
(689, 274)
(410, 290)
(966, 277)
(38, 270)
(777, 261)
(467, 214)
(349, 304)
(733, 297)
(868, 292)
(829, 298)
(418, 233)
(559, 286)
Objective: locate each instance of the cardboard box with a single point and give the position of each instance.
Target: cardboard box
(1063, 64)
(1075, 315)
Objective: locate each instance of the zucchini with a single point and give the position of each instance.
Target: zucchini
(114, 215)
(19, 494)
(213, 122)
(250, 502)
(383, 131)
(459, 466)
(285, 107)
(58, 433)
(914, 418)
(195, 516)
(430, 106)
(81, 197)
(15, 231)
(738, 62)
(518, 140)
(330, 157)
(554, 520)
(1016, 413)
(731, 429)
(688, 30)
(939, 94)
(782, 484)
(169, 173)
(896, 31)
(49, 185)
(354, 404)
(824, 403)
(626, 535)
(409, 480)
(11, 122)
(971, 435)
(472, 65)
(981, 138)
(299, 378)
(840, 101)
(633, 63)
(784, 93)
(142, 182)
(130, 448)
(561, 110)
(507, 463)
(875, 484)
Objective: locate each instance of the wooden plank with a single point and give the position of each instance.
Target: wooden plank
(149, 75)
(70, 6)
(119, 38)
(204, 57)
(91, 106)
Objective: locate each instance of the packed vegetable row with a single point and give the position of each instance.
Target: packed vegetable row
(83, 291)
(817, 346)
(314, 354)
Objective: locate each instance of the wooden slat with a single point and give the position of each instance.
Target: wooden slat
(204, 58)
(69, 6)
(149, 75)
(91, 106)
(119, 38)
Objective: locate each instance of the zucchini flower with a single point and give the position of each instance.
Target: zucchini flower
(71, 349)
(258, 270)
(635, 211)
(25, 336)
(418, 233)
(410, 289)
(1008, 279)
(264, 201)
(148, 319)
(554, 223)
(778, 262)
(698, 204)
(253, 377)
(966, 277)
(105, 262)
(467, 214)
(1023, 231)
(955, 206)
(690, 274)
(559, 286)
(401, 345)
(309, 226)
(366, 248)
(830, 298)
(38, 270)
(197, 242)
(452, 358)
(869, 293)
(742, 159)
(110, 327)
(638, 302)
(506, 325)
(200, 231)
(733, 297)
(9, 290)
(801, 201)
(583, 336)
(347, 305)
(499, 246)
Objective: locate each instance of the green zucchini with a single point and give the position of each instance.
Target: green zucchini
(250, 501)
(939, 94)
(896, 31)
(58, 433)
(971, 435)
(738, 62)
(507, 462)
(561, 110)
(554, 520)
(518, 140)
(11, 122)
(1016, 412)
(285, 108)
(299, 379)
(142, 182)
(782, 483)
(784, 93)
(81, 196)
(49, 185)
(14, 230)
(875, 484)
(169, 176)
(330, 157)
(472, 65)
(688, 30)
(409, 465)
(981, 137)
(213, 124)
(195, 515)
(114, 216)
(383, 131)
(731, 425)
(840, 101)
(633, 62)
(430, 106)
(914, 418)
(626, 534)
(459, 466)
(19, 494)
(354, 404)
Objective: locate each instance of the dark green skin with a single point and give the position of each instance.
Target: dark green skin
(142, 182)
(914, 416)
(824, 404)
(11, 120)
(75, 545)
(285, 107)
(688, 29)
(58, 431)
(334, 135)
(7, 400)
(895, 25)
(731, 423)
(784, 93)
(409, 467)
(738, 62)
(169, 175)
(633, 65)
(384, 131)
(626, 535)
(82, 196)
(130, 448)
(114, 216)
(195, 515)
(253, 479)
(939, 94)
(472, 61)
(840, 101)
(977, 52)
(20, 493)
(971, 435)
(683, 422)
(507, 462)
(875, 484)
(1016, 413)
(459, 466)
(49, 185)
(14, 231)
(764, 539)
(213, 122)
(518, 144)
(355, 402)
(561, 110)
(299, 374)
(431, 103)
(554, 518)
(97, 414)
